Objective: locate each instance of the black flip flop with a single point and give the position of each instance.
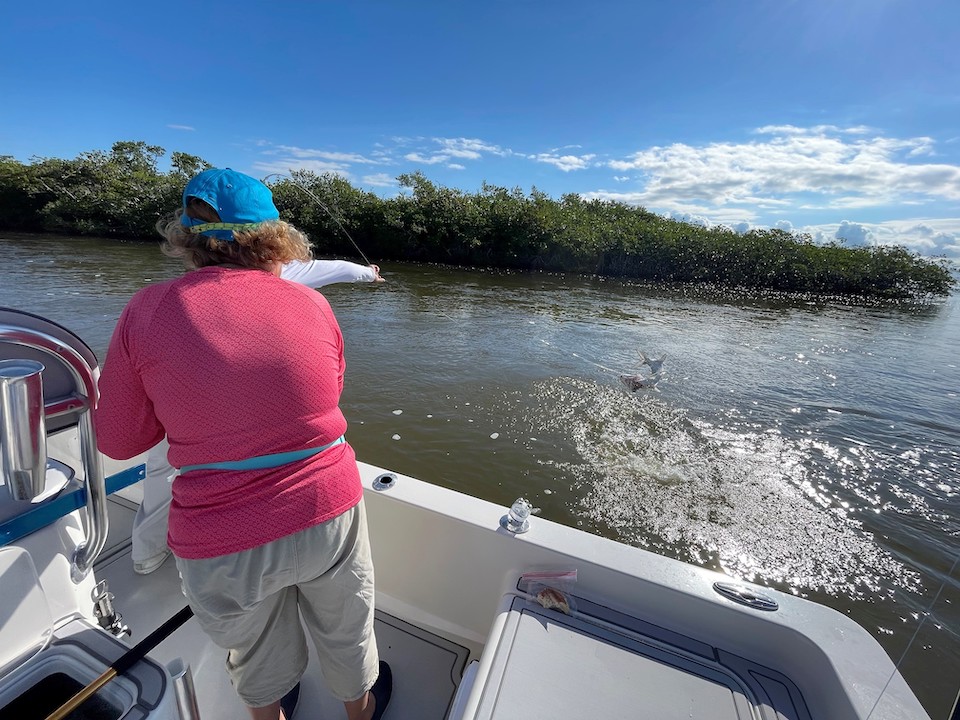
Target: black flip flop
(288, 703)
(382, 690)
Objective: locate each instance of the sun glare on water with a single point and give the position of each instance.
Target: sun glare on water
(742, 499)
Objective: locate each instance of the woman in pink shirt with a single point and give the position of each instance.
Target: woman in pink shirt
(242, 371)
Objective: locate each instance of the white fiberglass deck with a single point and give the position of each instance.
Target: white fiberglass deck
(648, 636)
(426, 668)
(538, 663)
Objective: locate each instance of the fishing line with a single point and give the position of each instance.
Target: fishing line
(580, 357)
(650, 380)
(324, 207)
(916, 632)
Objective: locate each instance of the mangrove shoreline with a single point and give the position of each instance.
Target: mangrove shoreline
(122, 194)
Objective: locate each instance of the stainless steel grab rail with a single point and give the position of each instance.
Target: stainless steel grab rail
(85, 378)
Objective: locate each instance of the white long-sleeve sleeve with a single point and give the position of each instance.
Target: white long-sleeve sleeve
(317, 273)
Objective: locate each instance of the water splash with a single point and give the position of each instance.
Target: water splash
(744, 500)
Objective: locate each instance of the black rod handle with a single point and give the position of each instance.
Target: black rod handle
(137, 652)
(124, 663)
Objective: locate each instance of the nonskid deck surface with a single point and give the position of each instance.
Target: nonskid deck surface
(426, 668)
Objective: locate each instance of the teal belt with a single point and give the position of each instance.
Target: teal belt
(262, 462)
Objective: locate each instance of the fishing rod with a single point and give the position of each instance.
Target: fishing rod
(312, 196)
(306, 191)
(124, 663)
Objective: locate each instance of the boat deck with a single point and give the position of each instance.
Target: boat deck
(427, 668)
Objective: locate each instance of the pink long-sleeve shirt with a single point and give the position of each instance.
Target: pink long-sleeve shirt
(232, 364)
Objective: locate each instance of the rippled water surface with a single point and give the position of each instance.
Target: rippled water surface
(807, 445)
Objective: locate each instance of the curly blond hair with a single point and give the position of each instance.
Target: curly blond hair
(274, 241)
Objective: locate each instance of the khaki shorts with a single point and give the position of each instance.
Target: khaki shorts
(248, 603)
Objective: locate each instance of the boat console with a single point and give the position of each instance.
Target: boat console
(57, 627)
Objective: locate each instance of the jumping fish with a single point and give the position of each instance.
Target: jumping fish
(639, 382)
(653, 363)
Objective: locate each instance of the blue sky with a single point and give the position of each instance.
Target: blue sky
(840, 118)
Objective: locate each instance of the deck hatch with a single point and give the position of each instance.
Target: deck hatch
(551, 665)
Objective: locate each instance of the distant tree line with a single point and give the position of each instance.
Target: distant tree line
(122, 193)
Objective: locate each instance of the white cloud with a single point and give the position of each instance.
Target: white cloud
(459, 148)
(854, 234)
(820, 163)
(929, 236)
(463, 153)
(692, 219)
(181, 127)
(379, 180)
(470, 147)
(423, 160)
(680, 209)
(815, 130)
(925, 236)
(564, 162)
(339, 157)
(451, 152)
(283, 159)
(924, 147)
(285, 166)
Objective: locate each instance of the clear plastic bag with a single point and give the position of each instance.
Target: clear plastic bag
(553, 589)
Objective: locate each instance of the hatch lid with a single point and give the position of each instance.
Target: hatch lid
(26, 623)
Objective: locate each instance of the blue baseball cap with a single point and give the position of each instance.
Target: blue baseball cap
(241, 201)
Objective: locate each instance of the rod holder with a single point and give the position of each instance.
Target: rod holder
(184, 689)
(83, 400)
(23, 435)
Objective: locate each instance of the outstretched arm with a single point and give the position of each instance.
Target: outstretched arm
(317, 273)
